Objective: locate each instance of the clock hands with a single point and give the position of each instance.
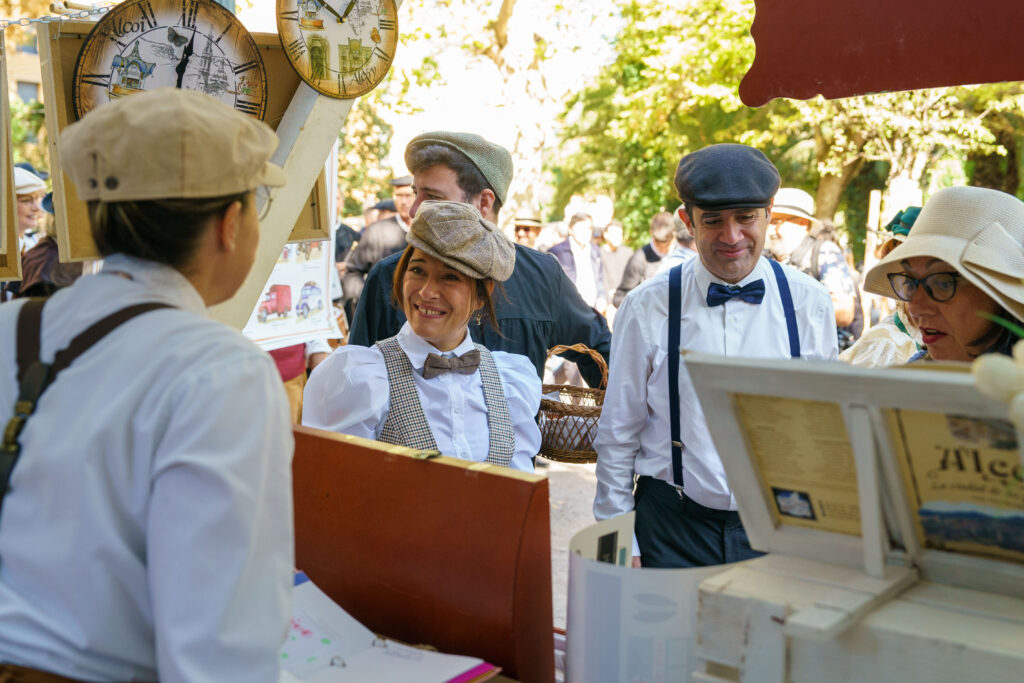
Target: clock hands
(348, 10)
(183, 64)
(330, 9)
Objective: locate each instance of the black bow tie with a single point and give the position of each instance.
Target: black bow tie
(466, 364)
(751, 293)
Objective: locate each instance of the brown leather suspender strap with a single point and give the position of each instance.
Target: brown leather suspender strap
(35, 376)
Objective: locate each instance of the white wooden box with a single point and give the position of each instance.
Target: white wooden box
(891, 505)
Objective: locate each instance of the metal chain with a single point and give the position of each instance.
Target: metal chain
(50, 19)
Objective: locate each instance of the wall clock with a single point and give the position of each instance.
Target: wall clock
(192, 44)
(341, 48)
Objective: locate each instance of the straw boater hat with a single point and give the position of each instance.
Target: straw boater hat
(977, 231)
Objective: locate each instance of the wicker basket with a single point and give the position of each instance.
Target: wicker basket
(568, 426)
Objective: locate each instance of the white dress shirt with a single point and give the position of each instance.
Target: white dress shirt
(349, 393)
(586, 283)
(148, 531)
(679, 254)
(634, 431)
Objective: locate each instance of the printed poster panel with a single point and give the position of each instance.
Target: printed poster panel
(964, 482)
(295, 305)
(805, 460)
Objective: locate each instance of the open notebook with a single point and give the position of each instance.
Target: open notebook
(326, 645)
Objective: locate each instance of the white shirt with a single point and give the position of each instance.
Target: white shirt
(349, 393)
(634, 429)
(148, 532)
(586, 284)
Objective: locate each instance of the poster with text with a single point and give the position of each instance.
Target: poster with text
(964, 482)
(805, 461)
(295, 304)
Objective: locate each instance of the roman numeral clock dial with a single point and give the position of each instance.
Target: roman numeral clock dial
(192, 44)
(341, 48)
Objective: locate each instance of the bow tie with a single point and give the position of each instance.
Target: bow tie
(466, 364)
(751, 293)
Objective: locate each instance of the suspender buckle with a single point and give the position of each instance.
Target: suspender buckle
(11, 433)
(677, 444)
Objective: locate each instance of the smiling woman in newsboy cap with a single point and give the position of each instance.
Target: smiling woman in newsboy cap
(962, 264)
(147, 531)
(430, 387)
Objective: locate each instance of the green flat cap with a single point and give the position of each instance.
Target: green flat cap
(493, 161)
(456, 234)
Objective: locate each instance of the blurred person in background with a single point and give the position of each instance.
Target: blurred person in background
(42, 273)
(526, 230)
(615, 255)
(379, 240)
(644, 263)
(581, 260)
(794, 239)
(894, 340)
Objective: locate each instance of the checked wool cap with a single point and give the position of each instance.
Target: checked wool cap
(493, 161)
(456, 234)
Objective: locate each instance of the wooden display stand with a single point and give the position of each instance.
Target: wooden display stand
(887, 500)
(438, 551)
(10, 255)
(59, 44)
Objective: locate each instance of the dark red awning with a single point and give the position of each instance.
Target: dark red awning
(853, 47)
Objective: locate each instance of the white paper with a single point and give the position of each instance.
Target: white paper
(325, 644)
(626, 624)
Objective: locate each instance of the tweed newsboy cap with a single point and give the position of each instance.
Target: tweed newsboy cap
(493, 161)
(168, 144)
(727, 176)
(458, 235)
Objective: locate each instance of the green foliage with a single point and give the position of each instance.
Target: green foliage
(673, 88)
(28, 132)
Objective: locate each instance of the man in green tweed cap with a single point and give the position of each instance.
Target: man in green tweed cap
(540, 308)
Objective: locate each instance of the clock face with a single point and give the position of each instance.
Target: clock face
(192, 44)
(341, 48)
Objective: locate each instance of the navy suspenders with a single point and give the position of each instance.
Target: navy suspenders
(674, 319)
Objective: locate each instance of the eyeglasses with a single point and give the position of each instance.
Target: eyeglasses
(263, 198)
(939, 286)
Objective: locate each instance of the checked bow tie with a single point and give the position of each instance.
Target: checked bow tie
(466, 364)
(751, 293)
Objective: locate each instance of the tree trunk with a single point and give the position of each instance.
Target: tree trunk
(830, 190)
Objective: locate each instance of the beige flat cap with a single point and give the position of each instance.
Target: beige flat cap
(458, 235)
(166, 144)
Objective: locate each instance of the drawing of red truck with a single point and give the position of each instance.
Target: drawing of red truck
(276, 301)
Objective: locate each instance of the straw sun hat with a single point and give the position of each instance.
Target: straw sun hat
(977, 231)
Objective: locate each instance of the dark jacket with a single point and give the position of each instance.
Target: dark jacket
(379, 240)
(642, 266)
(538, 309)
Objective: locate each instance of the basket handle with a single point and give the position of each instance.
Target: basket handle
(583, 348)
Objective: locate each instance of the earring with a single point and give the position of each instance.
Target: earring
(478, 317)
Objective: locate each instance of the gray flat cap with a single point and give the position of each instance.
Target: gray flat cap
(727, 176)
(493, 161)
(458, 235)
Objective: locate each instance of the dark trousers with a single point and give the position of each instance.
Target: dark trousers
(674, 531)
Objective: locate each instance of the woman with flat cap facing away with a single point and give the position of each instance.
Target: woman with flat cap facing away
(430, 387)
(146, 534)
(960, 267)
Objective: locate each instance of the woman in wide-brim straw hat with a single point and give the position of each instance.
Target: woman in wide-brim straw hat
(147, 532)
(431, 387)
(961, 266)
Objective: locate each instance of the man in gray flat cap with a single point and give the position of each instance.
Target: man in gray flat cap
(540, 307)
(730, 300)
